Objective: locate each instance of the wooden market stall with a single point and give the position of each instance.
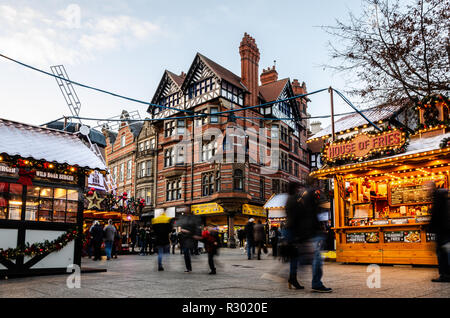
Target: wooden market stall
(382, 191)
(42, 180)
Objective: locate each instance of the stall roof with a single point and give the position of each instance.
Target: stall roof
(374, 114)
(277, 201)
(28, 141)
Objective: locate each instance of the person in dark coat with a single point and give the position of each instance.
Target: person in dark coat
(162, 226)
(190, 227)
(180, 241)
(133, 237)
(97, 239)
(211, 239)
(274, 237)
(440, 225)
(305, 234)
(117, 245)
(241, 237)
(249, 235)
(173, 240)
(143, 239)
(258, 234)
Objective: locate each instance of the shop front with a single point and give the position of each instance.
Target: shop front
(382, 206)
(228, 224)
(41, 198)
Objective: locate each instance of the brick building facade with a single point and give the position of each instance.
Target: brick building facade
(221, 166)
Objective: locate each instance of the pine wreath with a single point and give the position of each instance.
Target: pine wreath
(41, 248)
(445, 143)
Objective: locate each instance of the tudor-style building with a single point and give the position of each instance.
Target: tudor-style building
(121, 154)
(213, 165)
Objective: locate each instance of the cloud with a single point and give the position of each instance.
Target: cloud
(66, 36)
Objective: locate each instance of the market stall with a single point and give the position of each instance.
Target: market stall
(382, 191)
(42, 180)
(275, 207)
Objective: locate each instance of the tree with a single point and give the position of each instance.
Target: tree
(395, 51)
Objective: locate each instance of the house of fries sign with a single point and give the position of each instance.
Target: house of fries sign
(362, 145)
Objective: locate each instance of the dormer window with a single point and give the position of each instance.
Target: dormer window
(200, 88)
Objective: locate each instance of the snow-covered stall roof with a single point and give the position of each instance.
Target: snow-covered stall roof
(46, 144)
(277, 201)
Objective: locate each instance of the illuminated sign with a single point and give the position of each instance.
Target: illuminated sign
(363, 145)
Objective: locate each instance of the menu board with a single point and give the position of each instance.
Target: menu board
(402, 236)
(362, 237)
(411, 194)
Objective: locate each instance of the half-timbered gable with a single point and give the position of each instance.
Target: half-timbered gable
(168, 94)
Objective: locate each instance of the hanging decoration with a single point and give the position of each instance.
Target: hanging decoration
(36, 249)
(430, 106)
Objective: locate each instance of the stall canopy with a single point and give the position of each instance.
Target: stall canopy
(276, 205)
(27, 141)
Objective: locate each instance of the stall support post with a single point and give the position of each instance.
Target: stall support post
(330, 90)
(79, 240)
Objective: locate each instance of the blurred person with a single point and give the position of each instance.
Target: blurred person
(274, 236)
(249, 235)
(117, 244)
(180, 241)
(110, 233)
(210, 239)
(133, 236)
(173, 240)
(162, 226)
(241, 236)
(142, 239)
(258, 234)
(190, 227)
(440, 225)
(97, 239)
(305, 235)
(148, 241)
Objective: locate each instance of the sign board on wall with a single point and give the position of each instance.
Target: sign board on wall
(361, 145)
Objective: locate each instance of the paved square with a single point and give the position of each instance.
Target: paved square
(237, 277)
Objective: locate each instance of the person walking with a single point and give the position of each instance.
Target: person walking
(191, 232)
(162, 226)
(249, 235)
(143, 240)
(241, 236)
(173, 240)
(97, 239)
(110, 233)
(274, 237)
(117, 245)
(210, 239)
(180, 241)
(133, 237)
(305, 235)
(440, 225)
(258, 234)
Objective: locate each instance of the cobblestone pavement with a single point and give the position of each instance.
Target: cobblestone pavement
(237, 277)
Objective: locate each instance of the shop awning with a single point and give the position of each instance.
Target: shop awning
(276, 205)
(206, 208)
(47, 144)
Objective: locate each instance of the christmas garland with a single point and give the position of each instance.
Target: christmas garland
(445, 143)
(36, 249)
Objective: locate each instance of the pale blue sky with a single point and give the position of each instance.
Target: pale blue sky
(124, 47)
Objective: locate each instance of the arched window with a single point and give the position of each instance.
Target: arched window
(238, 180)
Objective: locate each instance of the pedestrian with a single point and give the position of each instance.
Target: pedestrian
(180, 241)
(117, 245)
(241, 236)
(148, 241)
(110, 233)
(133, 236)
(97, 239)
(210, 238)
(440, 225)
(143, 240)
(173, 240)
(88, 247)
(306, 235)
(274, 236)
(258, 234)
(249, 235)
(162, 226)
(190, 227)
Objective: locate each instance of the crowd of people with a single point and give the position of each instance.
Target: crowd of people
(298, 241)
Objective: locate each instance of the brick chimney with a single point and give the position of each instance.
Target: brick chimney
(249, 68)
(268, 76)
(300, 89)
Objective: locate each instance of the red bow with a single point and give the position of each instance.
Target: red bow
(26, 177)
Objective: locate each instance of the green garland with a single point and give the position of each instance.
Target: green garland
(41, 248)
(445, 143)
(430, 111)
